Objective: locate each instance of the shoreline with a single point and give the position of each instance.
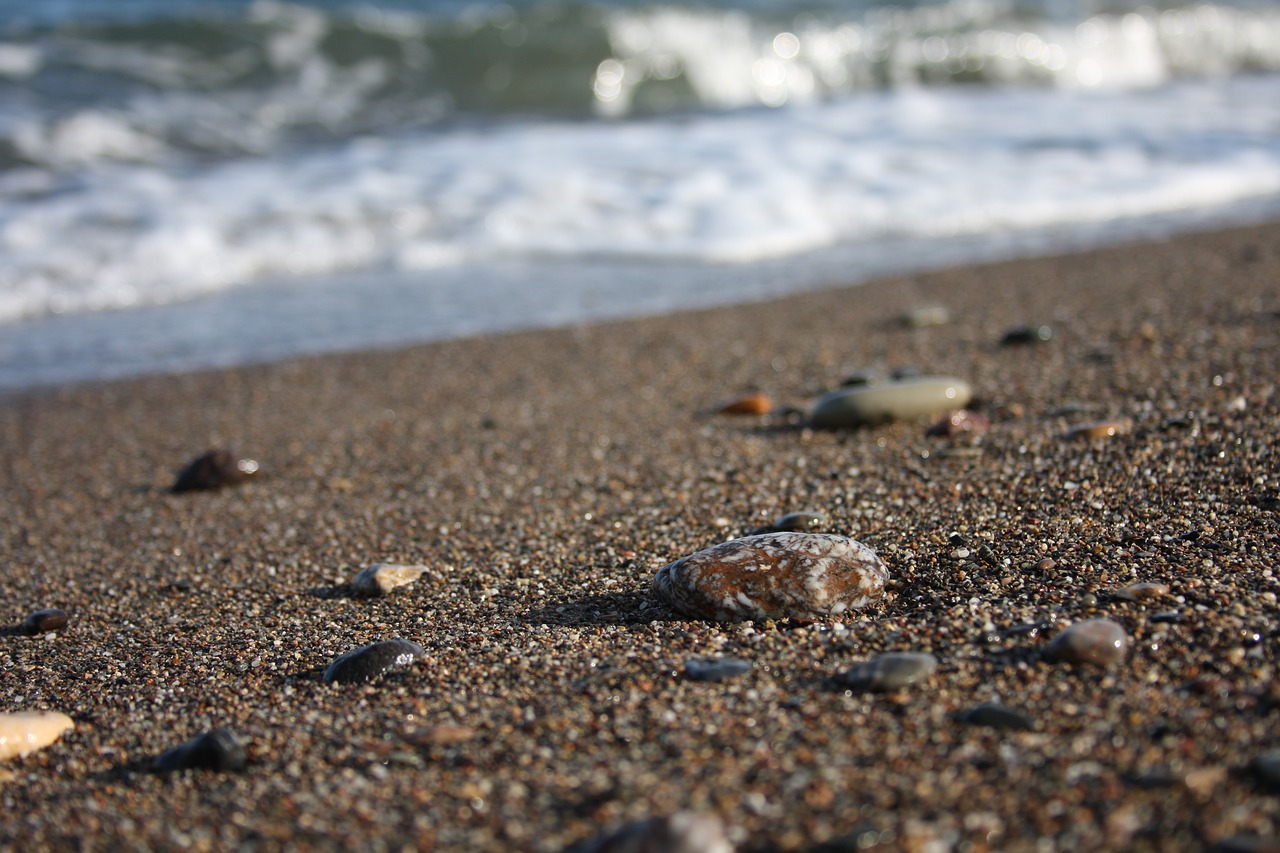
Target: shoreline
(543, 476)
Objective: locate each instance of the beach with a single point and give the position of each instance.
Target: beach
(543, 477)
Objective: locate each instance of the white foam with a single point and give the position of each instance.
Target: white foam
(731, 187)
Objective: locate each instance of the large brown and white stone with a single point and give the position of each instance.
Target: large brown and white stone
(25, 732)
(802, 576)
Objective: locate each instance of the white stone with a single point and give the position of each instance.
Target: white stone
(25, 732)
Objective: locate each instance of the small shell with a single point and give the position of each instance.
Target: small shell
(751, 404)
(24, 732)
(381, 578)
(801, 576)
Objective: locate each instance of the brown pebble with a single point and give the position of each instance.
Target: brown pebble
(1139, 591)
(44, 621)
(442, 735)
(1099, 429)
(960, 421)
(752, 404)
(214, 470)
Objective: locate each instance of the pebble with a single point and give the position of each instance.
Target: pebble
(213, 470)
(993, 715)
(682, 832)
(923, 316)
(960, 421)
(368, 662)
(24, 732)
(1099, 429)
(1100, 642)
(889, 401)
(862, 378)
(801, 576)
(799, 522)
(889, 671)
(1140, 591)
(218, 749)
(1267, 768)
(44, 621)
(1027, 335)
(715, 669)
(381, 578)
(751, 404)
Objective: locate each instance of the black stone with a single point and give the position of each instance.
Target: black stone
(44, 621)
(218, 749)
(1027, 335)
(715, 669)
(214, 470)
(366, 663)
(996, 716)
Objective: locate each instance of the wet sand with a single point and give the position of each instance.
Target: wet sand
(543, 477)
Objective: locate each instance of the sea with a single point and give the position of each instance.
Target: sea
(190, 184)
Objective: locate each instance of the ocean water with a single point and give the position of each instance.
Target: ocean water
(195, 183)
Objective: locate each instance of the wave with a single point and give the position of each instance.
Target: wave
(245, 79)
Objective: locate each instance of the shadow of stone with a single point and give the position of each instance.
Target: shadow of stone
(342, 590)
(614, 608)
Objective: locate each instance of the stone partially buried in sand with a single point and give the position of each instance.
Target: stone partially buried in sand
(381, 578)
(1099, 642)
(366, 663)
(890, 401)
(24, 732)
(218, 749)
(682, 832)
(802, 576)
(214, 470)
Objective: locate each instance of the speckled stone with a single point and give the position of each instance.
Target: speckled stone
(683, 832)
(1100, 642)
(24, 732)
(381, 578)
(369, 662)
(889, 671)
(801, 576)
(715, 669)
(45, 621)
(993, 715)
(214, 470)
(890, 401)
(218, 749)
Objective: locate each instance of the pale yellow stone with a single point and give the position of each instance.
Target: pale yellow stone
(381, 578)
(27, 731)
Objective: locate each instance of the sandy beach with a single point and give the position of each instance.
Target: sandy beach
(543, 477)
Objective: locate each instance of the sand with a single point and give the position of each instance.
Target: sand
(543, 478)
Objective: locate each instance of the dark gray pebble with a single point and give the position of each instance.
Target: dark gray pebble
(715, 669)
(1027, 335)
(1170, 616)
(213, 470)
(800, 522)
(993, 715)
(44, 621)
(368, 662)
(218, 749)
(1247, 844)
(889, 671)
(1267, 768)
